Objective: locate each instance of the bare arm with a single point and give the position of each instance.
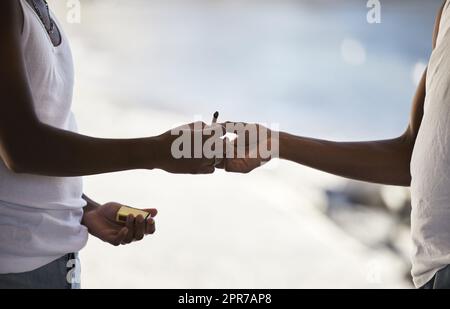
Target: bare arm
(386, 161)
(30, 146)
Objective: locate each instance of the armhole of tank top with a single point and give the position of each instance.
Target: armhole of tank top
(24, 18)
(444, 11)
(442, 20)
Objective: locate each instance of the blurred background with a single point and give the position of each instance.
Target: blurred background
(315, 68)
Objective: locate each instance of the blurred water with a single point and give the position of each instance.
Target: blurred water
(270, 61)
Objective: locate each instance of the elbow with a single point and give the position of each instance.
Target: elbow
(15, 168)
(14, 163)
(20, 150)
(16, 156)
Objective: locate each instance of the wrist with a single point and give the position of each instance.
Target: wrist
(148, 153)
(283, 143)
(161, 151)
(88, 210)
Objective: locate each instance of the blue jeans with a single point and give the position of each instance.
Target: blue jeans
(440, 281)
(62, 273)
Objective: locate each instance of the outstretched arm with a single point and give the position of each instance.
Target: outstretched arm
(386, 161)
(29, 146)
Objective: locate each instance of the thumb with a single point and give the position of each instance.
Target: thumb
(153, 211)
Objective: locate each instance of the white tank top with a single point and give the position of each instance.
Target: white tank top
(40, 216)
(430, 167)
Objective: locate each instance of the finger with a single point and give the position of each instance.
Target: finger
(228, 166)
(208, 162)
(215, 155)
(212, 129)
(139, 227)
(237, 167)
(150, 227)
(153, 211)
(223, 128)
(130, 226)
(228, 148)
(219, 127)
(111, 209)
(248, 135)
(228, 153)
(221, 164)
(210, 170)
(118, 239)
(242, 130)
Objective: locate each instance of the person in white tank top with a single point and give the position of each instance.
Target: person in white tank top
(44, 216)
(419, 158)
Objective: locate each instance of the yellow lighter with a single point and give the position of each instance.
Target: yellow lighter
(124, 211)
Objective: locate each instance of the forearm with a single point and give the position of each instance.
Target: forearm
(55, 152)
(385, 162)
(90, 204)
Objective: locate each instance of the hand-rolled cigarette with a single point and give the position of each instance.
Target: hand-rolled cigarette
(213, 122)
(215, 117)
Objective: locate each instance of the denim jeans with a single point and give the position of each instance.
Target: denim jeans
(62, 273)
(440, 281)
